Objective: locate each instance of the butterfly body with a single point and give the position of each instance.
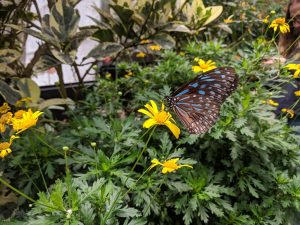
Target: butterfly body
(197, 103)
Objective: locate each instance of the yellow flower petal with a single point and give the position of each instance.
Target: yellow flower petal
(154, 106)
(144, 111)
(174, 129)
(149, 123)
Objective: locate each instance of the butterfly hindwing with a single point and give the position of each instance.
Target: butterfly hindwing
(197, 103)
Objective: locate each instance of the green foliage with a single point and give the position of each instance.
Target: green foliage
(125, 23)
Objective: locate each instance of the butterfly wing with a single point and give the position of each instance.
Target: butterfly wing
(197, 103)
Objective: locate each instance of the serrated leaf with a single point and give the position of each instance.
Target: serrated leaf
(230, 135)
(247, 132)
(128, 212)
(179, 186)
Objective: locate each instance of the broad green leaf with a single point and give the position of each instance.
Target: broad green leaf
(54, 102)
(8, 93)
(165, 40)
(9, 55)
(6, 70)
(105, 49)
(64, 20)
(173, 27)
(29, 88)
(67, 57)
(216, 11)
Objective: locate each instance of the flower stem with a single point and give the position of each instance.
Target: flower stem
(103, 222)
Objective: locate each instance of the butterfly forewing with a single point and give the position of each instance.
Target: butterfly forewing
(197, 103)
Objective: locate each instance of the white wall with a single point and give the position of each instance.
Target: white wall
(50, 77)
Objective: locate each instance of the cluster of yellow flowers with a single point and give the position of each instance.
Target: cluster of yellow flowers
(16, 122)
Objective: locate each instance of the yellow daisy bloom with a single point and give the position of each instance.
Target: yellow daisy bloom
(228, 20)
(266, 20)
(5, 147)
(289, 112)
(28, 120)
(169, 165)
(159, 117)
(203, 66)
(297, 93)
(271, 102)
(4, 108)
(5, 119)
(295, 67)
(155, 48)
(281, 24)
(129, 74)
(145, 41)
(140, 55)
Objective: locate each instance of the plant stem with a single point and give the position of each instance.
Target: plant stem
(103, 222)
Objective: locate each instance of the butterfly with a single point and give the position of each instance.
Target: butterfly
(197, 103)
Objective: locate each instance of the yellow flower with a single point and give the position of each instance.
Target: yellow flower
(168, 166)
(140, 55)
(289, 112)
(281, 24)
(271, 102)
(159, 118)
(19, 114)
(228, 20)
(155, 47)
(145, 41)
(108, 75)
(266, 19)
(273, 12)
(203, 66)
(6, 118)
(295, 67)
(4, 108)
(297, 93)
(129, 74)
(20, 102)
(5, 147)
(28, 120)
(182, 53)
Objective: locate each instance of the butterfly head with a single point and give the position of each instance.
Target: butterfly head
(169, 100)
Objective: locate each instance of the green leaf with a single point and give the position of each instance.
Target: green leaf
(63, 20)
(105, 49)
(230, 135)
(8, 93)
(128, 212)
(216, 11)
(247, 131)
(9, 55)
(54, 102)
(165, 40)
(29, 88)
(138, 221)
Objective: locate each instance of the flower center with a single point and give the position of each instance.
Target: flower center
(204, 66)
(162, 117)
(170, 165)
(280, 21)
